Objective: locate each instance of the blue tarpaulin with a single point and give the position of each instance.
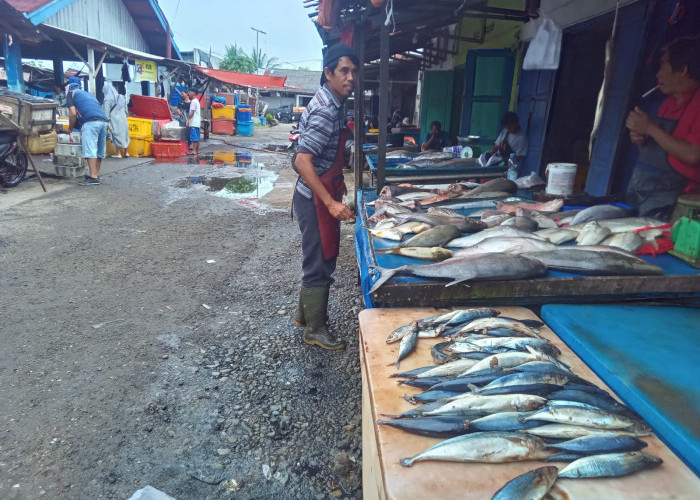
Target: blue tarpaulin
(649, 356)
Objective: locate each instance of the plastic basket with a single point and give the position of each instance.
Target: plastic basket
(225, 113)
(166, 149)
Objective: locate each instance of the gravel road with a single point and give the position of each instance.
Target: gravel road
(147, 339)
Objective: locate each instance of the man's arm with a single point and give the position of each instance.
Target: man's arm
(308, 173)
(72, 117)
(428, 143)
(640, 123)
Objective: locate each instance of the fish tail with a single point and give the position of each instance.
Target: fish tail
(407, 462)
(459, 280)
(384, 276)
(385, 251)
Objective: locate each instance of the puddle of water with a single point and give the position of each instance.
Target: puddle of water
(248, 187)
(217, 158)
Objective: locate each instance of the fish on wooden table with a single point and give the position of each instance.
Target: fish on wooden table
(438, 427)
(490, 404)
(395, 190)
(599, 212)
(489, 447)
(547, 207)
(485, 325)
(577, 260)
(556, 236)
(408, 344)
(629, 241)
(590, 445)
(532, 485)
(436, 236)
(610, 465)
(506, 245)
(504, 421)
(492, 232)
(488, 266)
(592, 233)
(421, 253)
(570, 431)
(599, 419)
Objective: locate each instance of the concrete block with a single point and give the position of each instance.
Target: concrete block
(70, 172)
(69, 161)
(68, 150)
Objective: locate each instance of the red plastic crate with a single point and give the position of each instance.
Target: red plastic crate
(222, 126)
(166, 149)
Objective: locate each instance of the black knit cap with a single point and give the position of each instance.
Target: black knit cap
(335, 52)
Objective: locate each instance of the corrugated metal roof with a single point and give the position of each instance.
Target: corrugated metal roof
(305, 81)
(243, 79)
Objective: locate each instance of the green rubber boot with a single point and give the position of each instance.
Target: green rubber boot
(315, 304)
(299, 315)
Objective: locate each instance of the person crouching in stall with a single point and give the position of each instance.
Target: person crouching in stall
(669, 158)
(319, 191)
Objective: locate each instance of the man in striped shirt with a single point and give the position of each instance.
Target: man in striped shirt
(319, 190)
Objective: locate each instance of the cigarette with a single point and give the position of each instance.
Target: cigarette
(649, 92)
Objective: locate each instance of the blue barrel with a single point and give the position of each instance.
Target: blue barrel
(245, 127)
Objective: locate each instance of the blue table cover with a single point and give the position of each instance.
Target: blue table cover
(649, 355)
(366, 244)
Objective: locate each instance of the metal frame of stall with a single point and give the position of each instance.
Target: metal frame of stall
(417, 33)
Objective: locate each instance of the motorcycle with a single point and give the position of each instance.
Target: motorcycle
(293, 139)
(13, 161)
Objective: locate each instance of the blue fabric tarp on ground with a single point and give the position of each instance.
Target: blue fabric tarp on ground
(649, 356)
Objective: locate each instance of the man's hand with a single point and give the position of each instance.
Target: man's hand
(638, 139)
(339, 210)
(423, 147)
(187, 123)
(638, 122)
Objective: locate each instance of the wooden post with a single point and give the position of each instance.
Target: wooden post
(359, 109)
(92, 87)
(383, 103)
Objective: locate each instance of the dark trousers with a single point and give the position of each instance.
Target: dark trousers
(316, 271)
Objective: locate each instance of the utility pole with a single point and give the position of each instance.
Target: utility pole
(257, 47)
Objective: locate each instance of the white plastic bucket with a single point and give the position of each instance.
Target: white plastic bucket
(560, 178)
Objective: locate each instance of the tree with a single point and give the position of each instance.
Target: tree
(303, 68)
(262, 61)
(237, 60)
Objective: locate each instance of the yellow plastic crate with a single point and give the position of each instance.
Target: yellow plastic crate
(226, 113)
(140, 127)
(140, 146)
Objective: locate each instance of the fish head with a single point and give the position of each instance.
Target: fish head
(560, 378)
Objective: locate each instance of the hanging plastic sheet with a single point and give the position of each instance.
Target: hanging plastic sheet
(545, 47)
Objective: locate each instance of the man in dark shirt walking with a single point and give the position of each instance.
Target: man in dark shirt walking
(93, 129)
(319, 192)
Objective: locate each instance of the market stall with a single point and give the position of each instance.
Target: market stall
(385, 446)
(678, 280)
(397, 172)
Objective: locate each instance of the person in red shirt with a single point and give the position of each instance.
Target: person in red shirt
(669, 158)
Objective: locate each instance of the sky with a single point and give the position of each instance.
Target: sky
(290, 34)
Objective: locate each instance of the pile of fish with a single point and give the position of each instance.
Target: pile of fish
(498, 393)
(504, 237)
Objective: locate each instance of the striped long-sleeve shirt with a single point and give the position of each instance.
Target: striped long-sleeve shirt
(319, 133)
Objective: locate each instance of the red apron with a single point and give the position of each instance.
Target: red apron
(334, 182)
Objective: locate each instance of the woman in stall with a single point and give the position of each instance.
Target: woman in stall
(669, 158)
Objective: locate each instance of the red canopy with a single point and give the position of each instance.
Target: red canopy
(243, 79)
